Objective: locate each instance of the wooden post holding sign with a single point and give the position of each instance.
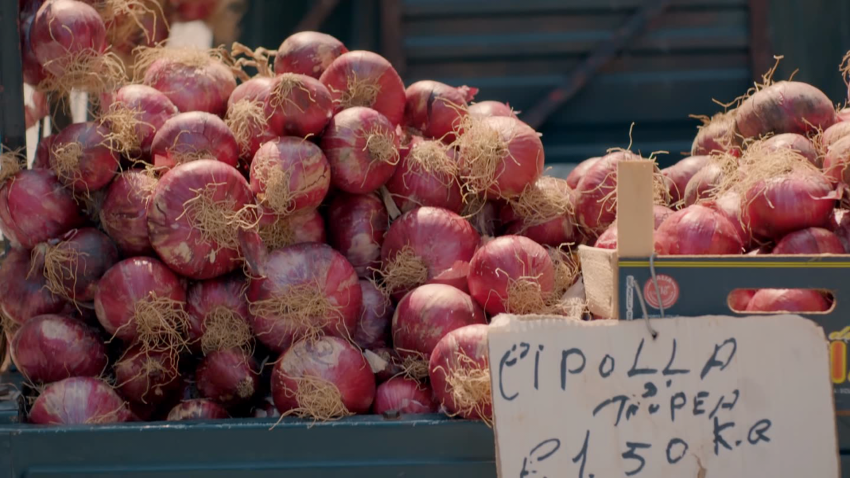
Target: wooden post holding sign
(708, 397)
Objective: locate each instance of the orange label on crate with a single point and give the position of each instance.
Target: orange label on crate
(669, 289)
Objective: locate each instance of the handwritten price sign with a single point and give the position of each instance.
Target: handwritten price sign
(709, 396)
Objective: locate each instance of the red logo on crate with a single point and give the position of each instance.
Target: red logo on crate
(669, 291)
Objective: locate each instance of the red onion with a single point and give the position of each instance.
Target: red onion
(784, 107)
(219, 314)
(35, 207)
(42, 153)
(290, 175)
(460, 373)
(147, 376)
(843, 114)
(739, 299)
(436, 109)
(25, 293)
(363, 78)
(483, 109)
(303, 291)
(837, 161)
(728, 204)
(302, 103)
(499, 155)
(385, 363)
(717, 135)
(788, 300)
(608, 239)
(190, 136)
(542, 213)
(144, 301)
(781, 204)
(49, 348)
(705, 182)
(512, 274)
(405, 396)
(137, 112)
(137, 23)
(427, 245)
(194, 217)
(484, 216)
(424, 316)
(79, 401)
(794, 142)
(74, 263)
(680, 174)
(307, 53)
(356, 228)
(579, 171)
(834, 133)
(197, 409)
(323, 379)
(595, 194)
(81, 158)
(427, 175)
(250, 116)
(228, 376)
(697, 230)
(193, 79)
(376, 315)
(281, 232)
(812, 240)
(123, 213)
(33, 72)
(362, 148)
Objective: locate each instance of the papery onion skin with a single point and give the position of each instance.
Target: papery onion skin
(356, 228)
(123, 213)
(376, 71)
(26, 295)
(195, 134)
(79, 401)
(812, 240)
(405, 396)
(697, 230)
(307, 53)
(197, 409)
(469, 342)
(788, 300)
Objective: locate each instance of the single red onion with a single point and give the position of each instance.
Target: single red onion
(35, 207)
(323, 379)
(512, 274)
(794, 142)
(595, 194)
(147, 376)
(697, 230)
(376, 315)
(282, 232)
(228, 376)
(543, 213)
(65, 35)
(483, 109)
(74, 263)
(362, 148)
(680, 174)
(704, 183)
(788, 300)
(739, 299)
(784, 107)
(302, 291)
(123, 213)
(356, 227)
(363, 78)
(427, 175)
(307, 53)
(219, 314)
(459, 370)
(608, 239)
(197, 409)
(717, 135)
(303, 105)
(79, 401)
(194, 217)
(427, 245)
(834, 133)
(405, 396)
(788, 202)
(49, 348)
(135, 115)
(190, 136)
(812, 240)
(436, 109)
(290, 175)
(579, 171)
(250, 116)
(193, 79)
(81, 158)
(25, 293)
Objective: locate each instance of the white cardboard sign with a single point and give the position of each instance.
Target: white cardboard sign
(708, 397)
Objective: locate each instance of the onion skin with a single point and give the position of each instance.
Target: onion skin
(63, 29)
(812, 240)
(471, 342)
(130, 281)
(42, 153)
(123, 213)
(729, 205)
(376, 316)
(436, 109)
(579, 171)
(739, 299)
(837, 160)
(803, 200)
(301, 265)
(306, 110)
(483, 109)
(307, 53)
(308, 170)
(443, 240)
(94, 253)
(35, 207)
(79, 401)
(147, 376)
(306, 227)
(794, 142)
(842, 230)
(703, 184)
(403, 396)
(174, 237)
(785, 107)
(197, 409)
(697, 230)
(49, 348)
(608, 239)
(191, 88)
(411, 185)
(370, 68)
(152, 109)
(426, 314)
(196, 133)
(788, 300)
(203, 297)
(33, 72)
(392, 364)
(228, 377)
(97, 163)
(593, 211)
(834, 133)
(255, 90)
(331, 359)
(718, 136)
(353, 167)
(25, 295)
(356, 228)
(680, 174)
(506, 259)
(553, 233)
